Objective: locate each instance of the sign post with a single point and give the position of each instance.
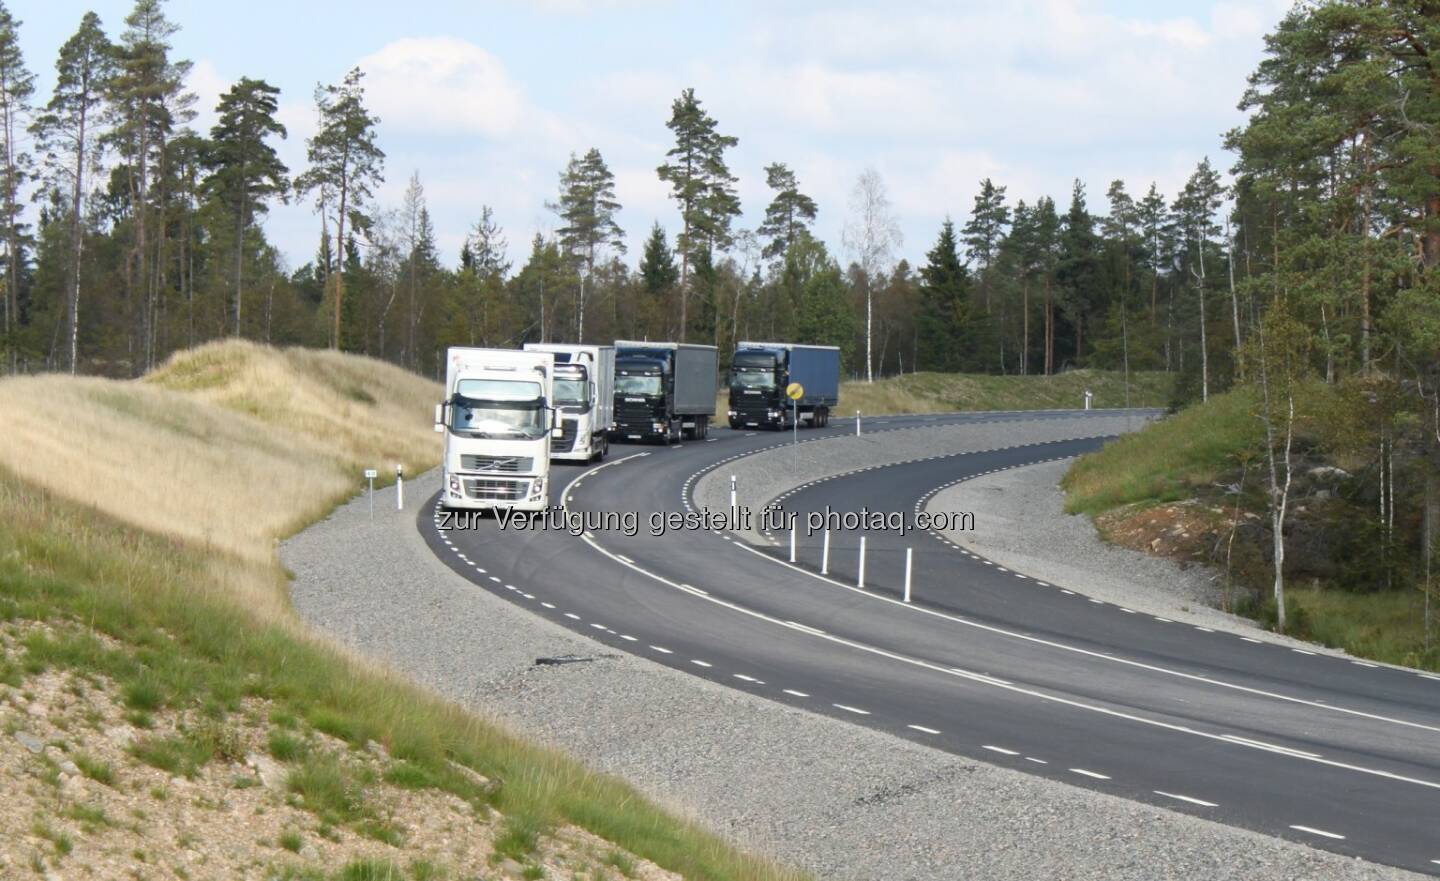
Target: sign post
(370, 475)
(795, 391)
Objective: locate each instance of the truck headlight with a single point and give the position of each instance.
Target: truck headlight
(659, 426)
(537, 487)
(454, 484)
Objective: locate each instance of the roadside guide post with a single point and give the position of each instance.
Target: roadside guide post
(399, 487)
(732, 502)
(857, 423)
(860, 582)
(907, 574)
(370, 475)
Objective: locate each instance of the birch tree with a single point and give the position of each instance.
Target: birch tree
(871, 236)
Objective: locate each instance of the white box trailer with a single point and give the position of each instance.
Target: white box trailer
(585, 397)
(498, 419)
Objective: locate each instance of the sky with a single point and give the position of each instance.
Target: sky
(486, 100)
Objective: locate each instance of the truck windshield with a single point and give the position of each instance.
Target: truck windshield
(498, 409)
(638, 385)
(760, 379)
(572, 391)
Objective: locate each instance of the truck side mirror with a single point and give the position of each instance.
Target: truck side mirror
(439, 418)
(556, 429)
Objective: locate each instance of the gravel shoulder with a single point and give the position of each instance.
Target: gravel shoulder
(840, 800)
(764, 476)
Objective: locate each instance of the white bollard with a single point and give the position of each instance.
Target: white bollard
(825, 554)
(399, 487)
(907, 574)
(857, 423)
(732, 500)
(860, 582)
(792, 544)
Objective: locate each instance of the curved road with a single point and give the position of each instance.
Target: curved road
(984, 662)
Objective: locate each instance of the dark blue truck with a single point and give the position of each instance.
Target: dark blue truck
(760, 373)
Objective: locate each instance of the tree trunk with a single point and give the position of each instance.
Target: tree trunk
(77, 243)
(869, 372)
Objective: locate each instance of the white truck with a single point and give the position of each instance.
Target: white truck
(498, 419)
(585, 397)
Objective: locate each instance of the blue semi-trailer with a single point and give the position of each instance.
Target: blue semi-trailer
(761, 372)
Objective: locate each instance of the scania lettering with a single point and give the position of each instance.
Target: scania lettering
(585, 397)
(498, 421)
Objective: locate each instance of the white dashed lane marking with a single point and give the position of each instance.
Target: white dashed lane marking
(1188, 799)
(922, 729)
(1084, 773)
(1000, 749)
(1321, 832)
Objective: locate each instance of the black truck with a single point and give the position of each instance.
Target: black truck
(761, 372)
(663, 391)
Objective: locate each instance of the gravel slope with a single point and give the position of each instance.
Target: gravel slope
(840, 800)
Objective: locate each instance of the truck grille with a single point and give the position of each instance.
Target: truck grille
(495, 490)
(569, 428)
(505, 464)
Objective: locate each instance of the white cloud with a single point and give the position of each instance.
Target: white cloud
(442, 85)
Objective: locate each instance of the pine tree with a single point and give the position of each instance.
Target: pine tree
(588, 206)
(1194, 214)
(657, 264)
(245, 171)
(1078, 271)
(148, 100)
(68, 134)
(345, 165)
(982, 236)
(789, 214)
(17, 84)
(944, 319)
(701, 183)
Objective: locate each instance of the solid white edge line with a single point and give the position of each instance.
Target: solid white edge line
(1076, 704)
(1193, 677)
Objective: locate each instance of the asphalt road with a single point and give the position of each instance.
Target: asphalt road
(984, 662)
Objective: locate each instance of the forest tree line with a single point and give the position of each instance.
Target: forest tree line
(127, 235)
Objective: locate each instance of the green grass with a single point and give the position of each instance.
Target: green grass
(95, 769)
(287, 747)
(1168, 460)
(371, 870)
(291, 840)
(945, 392)
(518, 838)
(1386, 627)
(178, 755)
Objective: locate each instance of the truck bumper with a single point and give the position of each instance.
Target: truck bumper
(492, 491)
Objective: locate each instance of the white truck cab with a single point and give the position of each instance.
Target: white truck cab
(498, 419)
(585, 398)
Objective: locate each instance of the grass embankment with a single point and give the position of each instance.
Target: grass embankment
(1192, 456)
(946, 392)
(952, 392)
(137, 526)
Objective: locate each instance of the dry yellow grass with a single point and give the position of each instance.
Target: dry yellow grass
(227, 447)
(154, 506)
